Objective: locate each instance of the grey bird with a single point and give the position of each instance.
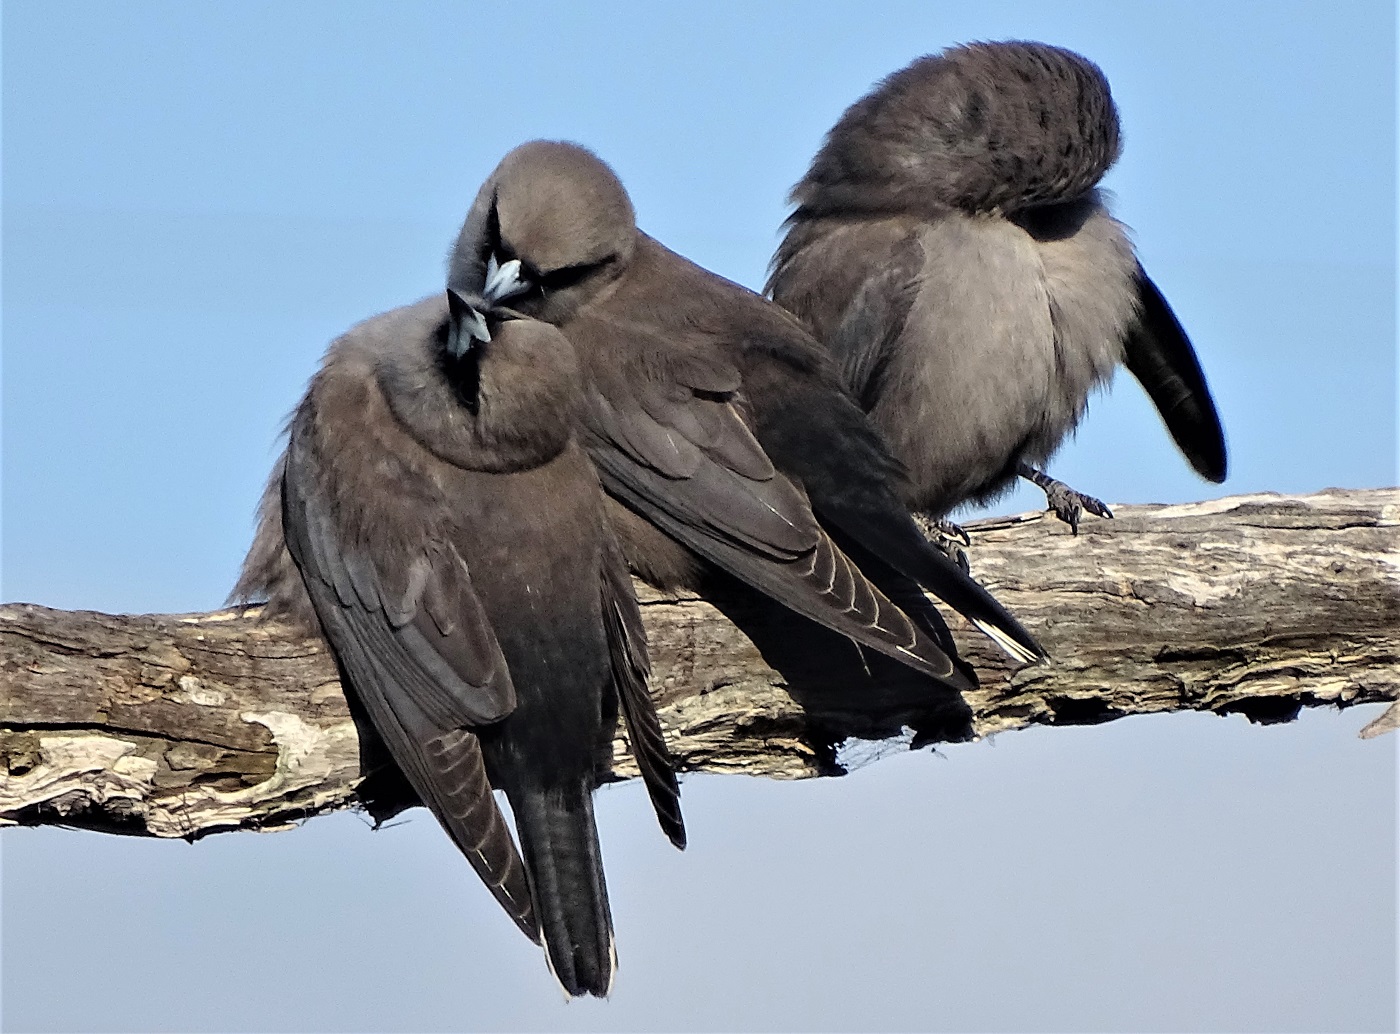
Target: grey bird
(715, 420)
(952, 250)
(435, 518)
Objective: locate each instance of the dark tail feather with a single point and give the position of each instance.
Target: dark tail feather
(1160, 356)
(559, 840)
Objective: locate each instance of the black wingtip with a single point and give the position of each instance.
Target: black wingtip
(879, 526)
(962, 678)
(914, 556)
(665, 794)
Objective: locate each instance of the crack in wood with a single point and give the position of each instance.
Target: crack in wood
(1245, 606)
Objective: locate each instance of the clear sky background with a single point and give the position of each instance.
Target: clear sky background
(198, 197)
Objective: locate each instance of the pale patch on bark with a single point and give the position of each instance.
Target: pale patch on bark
(182, 725)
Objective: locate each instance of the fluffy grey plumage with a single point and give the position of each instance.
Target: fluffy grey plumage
(951, 249)
(714, 418)
(436, 519)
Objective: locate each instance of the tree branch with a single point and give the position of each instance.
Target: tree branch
(183, 725)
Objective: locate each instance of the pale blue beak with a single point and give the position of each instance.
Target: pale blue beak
(466, 325)
(502, 280)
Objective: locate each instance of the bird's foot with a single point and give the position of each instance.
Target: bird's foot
(947, 537)
(1070, 505)
(1067, 504)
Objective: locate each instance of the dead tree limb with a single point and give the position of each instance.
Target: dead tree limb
(183, 725)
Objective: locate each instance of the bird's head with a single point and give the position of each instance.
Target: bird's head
(551, 227)
(985, 127)
(518, 377)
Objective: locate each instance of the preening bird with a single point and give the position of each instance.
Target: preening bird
(717, 423)
(951, 248)
(435, 518)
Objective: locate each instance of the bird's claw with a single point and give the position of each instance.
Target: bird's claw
(1069, 505)
(948, 538)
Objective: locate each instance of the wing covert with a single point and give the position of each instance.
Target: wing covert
(415, 604)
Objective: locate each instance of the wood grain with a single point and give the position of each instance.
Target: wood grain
(189, 724)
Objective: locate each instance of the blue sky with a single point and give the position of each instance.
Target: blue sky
(197, 198)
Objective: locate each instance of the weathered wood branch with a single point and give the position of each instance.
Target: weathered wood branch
(183, 725)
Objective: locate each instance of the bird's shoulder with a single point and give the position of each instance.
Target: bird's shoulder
(824, 263)
(398, 337)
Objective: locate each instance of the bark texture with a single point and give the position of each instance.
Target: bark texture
(184, 725)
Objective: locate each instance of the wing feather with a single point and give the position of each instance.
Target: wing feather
(822, 584)
(627, 644)
(727, 502)
(421, 679)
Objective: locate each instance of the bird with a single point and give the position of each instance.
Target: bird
(436, 520)
(951, 247)
(717, 423)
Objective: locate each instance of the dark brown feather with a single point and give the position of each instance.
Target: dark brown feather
(450, 536)
(627, 641)
(1159, 354)
(987, 128)
(951, 248)
(440, 759)
(688, 374)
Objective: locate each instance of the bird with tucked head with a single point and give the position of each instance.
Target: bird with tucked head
(717, 423)
(951, 248)
(435, 518)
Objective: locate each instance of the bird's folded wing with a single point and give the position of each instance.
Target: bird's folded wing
(704, 466)
(402, 590)
(687, 462)
(627, 647)
(868, 336)
(415, 645)
(1160, 356)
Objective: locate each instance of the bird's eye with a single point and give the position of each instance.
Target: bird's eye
(568, 276)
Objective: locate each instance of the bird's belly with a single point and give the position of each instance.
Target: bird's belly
(969, 382)
(535, 559)
(997, 359)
